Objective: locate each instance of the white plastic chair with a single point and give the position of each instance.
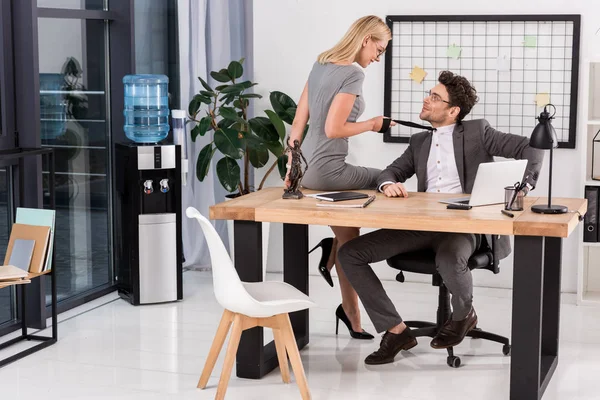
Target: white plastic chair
(248, 305)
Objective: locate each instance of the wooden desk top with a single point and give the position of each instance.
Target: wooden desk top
(420, 211)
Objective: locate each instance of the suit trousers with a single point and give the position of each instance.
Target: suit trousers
(452, 253)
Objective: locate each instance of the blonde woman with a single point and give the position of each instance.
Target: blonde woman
(333, 100)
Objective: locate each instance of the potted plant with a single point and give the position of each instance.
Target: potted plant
(224, 110)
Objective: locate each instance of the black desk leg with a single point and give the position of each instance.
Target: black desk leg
(535, 315)
(295, 272)
(254, 360)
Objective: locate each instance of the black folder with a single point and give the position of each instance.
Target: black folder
(590, 220)
(339, 196)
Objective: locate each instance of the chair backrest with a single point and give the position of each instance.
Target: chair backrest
(228, 287)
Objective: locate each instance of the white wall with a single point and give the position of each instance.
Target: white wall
(289, 34)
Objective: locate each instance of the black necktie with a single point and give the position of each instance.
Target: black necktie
(387, 121)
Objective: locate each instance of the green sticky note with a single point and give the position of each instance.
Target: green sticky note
(454, 51)
(530, 41)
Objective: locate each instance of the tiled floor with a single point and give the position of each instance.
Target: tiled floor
(109, 349)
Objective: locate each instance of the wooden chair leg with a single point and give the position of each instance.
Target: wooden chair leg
(232, 346)
(215, 348)
(294, 354)
(281, 354)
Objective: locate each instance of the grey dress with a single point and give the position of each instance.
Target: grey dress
(326, 157)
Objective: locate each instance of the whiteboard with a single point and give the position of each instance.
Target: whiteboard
(517, 63)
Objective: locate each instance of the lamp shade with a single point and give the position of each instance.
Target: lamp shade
(543, 134)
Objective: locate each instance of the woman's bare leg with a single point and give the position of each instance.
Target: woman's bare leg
(344, 234)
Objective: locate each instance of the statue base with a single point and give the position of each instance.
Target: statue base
(292, 195)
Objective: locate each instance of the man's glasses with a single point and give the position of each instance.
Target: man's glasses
(435, 97)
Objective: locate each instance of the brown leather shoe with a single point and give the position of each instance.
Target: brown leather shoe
(391, 344)
(453, 332)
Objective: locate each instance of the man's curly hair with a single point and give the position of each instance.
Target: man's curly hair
(460, 91)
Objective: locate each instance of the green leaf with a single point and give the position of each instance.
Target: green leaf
(242, 60)
(206, 94)
(238, 104)
(231, 114)
(277, 123)
(225, 123)
(291, 113)
(247, 84)
(221, 87)
(235, 70)
(228, 172)
(203, 99)
(227, 99)
(194, 106)
(204, 84)
(254, 142)
(201, 128)
(281, 102)
(258, 157)
(275, 148)
(264, 129)
(281, 165)
(233, 89)
(203, 162)
(229, 143)
(220, 77)
(251, 96)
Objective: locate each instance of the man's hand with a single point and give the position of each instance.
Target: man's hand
(395, 190)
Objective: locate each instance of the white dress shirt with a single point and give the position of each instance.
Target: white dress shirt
(442, 173)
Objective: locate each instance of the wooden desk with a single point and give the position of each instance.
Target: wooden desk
(536, 275)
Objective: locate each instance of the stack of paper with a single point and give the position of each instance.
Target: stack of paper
(41, 217)
(11, 275)
(28, 247)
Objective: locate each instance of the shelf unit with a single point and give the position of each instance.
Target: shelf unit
(588, 271)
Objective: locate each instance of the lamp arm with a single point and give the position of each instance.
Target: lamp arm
(550, 182)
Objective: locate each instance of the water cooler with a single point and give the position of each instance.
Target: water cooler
(147, 205)
(148, 223)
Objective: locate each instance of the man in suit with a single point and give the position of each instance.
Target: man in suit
(445, 161)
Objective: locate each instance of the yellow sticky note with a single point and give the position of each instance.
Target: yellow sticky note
(530, 41)
(541, 99)
(454, 51)
(418, 74)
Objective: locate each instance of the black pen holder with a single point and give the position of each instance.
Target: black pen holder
(512, 202)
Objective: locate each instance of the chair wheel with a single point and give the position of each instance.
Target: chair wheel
(506, 349)
(453, 361)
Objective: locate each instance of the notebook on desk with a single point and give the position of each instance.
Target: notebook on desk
(340, 196)
(360, 203)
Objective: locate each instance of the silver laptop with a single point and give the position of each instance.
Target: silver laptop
(490, 181)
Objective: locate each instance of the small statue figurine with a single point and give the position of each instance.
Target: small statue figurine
(295, 159)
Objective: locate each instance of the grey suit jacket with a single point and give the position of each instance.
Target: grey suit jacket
(475, 142)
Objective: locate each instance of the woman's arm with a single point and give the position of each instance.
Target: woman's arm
(336, 125)
(300, 119)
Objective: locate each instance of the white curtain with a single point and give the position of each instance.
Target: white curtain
(211, 34)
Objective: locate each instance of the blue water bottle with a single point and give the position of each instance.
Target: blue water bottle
(146, 107)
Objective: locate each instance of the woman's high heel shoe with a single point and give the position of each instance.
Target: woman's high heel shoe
(327, 245)
(341, 314)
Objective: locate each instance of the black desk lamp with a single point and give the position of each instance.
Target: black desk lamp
(544, 137)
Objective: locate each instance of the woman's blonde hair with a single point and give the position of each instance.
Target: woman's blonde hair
(347, 48)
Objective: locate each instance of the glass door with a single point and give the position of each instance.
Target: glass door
(74, 99)
(7, 141)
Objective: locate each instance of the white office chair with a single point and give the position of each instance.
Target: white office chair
(248, 305)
